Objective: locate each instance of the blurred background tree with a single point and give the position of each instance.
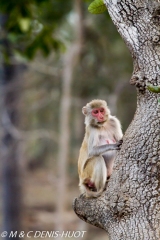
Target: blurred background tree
(58, 57)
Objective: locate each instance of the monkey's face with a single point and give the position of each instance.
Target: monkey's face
(99, 116)
(96, 113)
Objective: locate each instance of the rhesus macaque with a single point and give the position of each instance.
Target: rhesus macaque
(98, 150)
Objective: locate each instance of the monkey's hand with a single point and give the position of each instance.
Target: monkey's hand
(119, 144)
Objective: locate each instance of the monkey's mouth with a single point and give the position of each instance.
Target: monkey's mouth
(101, 122)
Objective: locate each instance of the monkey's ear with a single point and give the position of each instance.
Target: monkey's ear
(84, 110)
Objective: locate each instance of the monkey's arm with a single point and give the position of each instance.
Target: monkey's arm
(98, 150)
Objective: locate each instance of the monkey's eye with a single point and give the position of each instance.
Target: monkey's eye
(95, 111)
(101, 110)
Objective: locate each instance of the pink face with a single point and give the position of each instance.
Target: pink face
(98, 113)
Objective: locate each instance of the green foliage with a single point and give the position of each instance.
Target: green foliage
(30, 25)
(154, 89)
(97, 7)
(24, 24)
(44, 42)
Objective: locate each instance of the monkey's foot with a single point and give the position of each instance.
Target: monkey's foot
(90, 185)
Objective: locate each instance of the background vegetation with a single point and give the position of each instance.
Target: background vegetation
(44, 84)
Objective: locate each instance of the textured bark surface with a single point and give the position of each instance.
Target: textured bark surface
(129, 209)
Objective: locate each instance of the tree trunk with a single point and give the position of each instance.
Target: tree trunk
(71, 59)
(11, 178)
(130, 206)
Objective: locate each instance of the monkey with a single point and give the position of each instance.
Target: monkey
(102, 138)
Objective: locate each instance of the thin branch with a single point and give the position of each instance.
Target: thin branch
(45, 69)
(25, 135)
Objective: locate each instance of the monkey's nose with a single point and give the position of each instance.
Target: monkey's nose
(101, 116)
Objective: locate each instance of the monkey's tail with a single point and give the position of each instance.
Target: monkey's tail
(90, 194)
(99, 178)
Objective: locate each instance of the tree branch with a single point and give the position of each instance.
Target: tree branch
(138, 24)
(25, 135)
(89, 210)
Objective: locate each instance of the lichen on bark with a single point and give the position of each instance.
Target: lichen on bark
(129, 209)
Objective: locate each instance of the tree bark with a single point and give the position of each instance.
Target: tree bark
(129, 209)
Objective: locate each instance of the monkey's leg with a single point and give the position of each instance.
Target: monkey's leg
(95, 176)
